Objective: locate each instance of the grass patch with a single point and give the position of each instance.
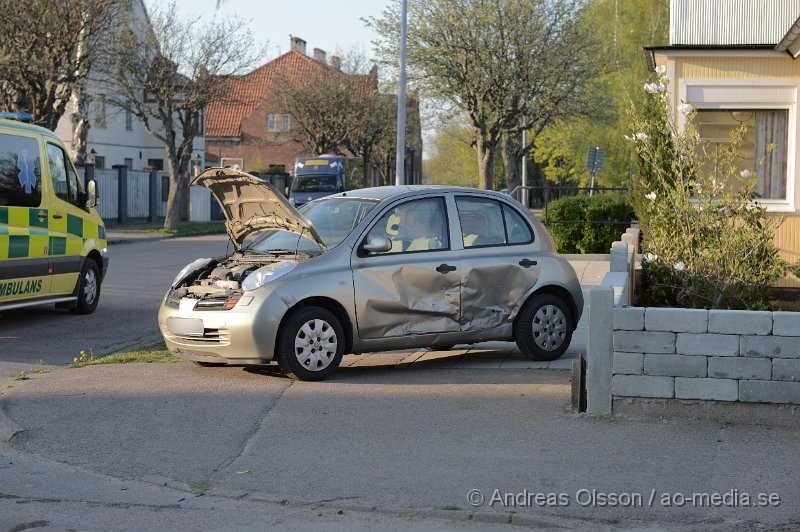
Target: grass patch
(451, 507)
(187, 229)
(143, 355)
(21, 376)
(40, 367)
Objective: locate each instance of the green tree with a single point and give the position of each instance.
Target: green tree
(508, 65)
(622, 28)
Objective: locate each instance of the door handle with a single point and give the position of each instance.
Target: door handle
(57, 216)
(445, 268)
(526, 263)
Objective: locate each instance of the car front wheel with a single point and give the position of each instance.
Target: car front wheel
(88, 288)
(543, 329)
(311, 344)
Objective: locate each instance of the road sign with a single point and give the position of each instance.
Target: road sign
(594, 158)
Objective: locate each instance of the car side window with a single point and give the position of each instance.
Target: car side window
(487, 222)
(65, 182)
(417, 225)
(20, 172)
(517, 230)
(481, 222)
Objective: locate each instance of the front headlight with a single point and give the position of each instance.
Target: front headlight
(264, 275)
(189, 268)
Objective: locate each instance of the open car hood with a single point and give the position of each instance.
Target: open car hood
(251, 204)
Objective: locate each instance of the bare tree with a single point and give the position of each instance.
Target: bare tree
(508, 64)
(333, 108)
(167, 71)
(47, 51)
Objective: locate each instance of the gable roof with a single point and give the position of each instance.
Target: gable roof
(730, 22)
(244, 93)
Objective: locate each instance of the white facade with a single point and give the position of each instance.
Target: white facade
(117, 136)
(730, 22)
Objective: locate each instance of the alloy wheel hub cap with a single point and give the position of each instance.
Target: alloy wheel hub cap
(315, 345)
(549, 327)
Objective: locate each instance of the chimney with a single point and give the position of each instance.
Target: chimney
(336, 62)
(319, 55)
(298, 44)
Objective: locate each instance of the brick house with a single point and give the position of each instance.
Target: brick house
(253, 129)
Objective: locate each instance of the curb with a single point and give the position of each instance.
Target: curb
(128, 240)
(8, 429)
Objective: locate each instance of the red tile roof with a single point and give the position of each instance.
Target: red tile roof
(244, 93)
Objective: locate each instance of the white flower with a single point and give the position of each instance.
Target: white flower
(650, 257)
(746, 173)
(661, 70)
(651, 196)
(685, 109)
(662, 87)
(629, 137)
(641, 136)
(652, 88)
(679, 266)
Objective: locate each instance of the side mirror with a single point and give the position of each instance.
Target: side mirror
(378, 244)
(92, 196)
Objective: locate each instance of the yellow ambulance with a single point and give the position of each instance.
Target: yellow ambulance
(52, 241)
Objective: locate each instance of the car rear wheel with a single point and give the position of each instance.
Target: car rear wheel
(441, 347)
(88, 288)
(543, 329)
(311, 344)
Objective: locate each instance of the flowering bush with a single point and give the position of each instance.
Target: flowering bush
(707, 240)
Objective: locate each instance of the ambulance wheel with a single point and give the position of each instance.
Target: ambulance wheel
(88, 288)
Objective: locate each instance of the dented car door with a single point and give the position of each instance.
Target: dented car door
(414, 288)
(500, 262)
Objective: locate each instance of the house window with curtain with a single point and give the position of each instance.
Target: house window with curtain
(765, 146)
(278, 122)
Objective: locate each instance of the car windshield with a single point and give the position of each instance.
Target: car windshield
(334, 219)
(314, 183)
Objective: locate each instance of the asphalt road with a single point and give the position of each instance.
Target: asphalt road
(138, 276)
(413, 441)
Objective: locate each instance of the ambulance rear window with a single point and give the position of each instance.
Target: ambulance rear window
(20, 172)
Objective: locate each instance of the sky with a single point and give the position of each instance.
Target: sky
(324, 24)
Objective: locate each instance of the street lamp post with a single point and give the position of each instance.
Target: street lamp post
(399, 178)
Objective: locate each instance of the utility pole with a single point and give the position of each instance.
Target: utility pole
(400, 172)
(524, 168)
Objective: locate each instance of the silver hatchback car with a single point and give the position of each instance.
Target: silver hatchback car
(368, 270)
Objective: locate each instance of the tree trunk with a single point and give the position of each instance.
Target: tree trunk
(178, 187)
(485, 152)
(80, 125)
(511, 146)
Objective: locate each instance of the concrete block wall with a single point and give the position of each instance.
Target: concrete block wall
(720, 355)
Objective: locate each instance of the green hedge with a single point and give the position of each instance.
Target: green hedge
(588, 238)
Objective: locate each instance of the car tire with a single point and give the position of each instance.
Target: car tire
(543, 328)
(442, 347)
(88, 288)
(306, 356)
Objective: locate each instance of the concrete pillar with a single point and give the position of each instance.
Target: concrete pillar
(122, 193)
(88, 173)
(152, 211)
(619, 257)
(599, 350)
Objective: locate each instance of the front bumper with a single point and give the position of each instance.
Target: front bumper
(243, 335)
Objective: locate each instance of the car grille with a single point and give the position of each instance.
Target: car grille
(210, 337)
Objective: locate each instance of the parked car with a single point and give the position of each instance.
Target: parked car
(368, 270)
